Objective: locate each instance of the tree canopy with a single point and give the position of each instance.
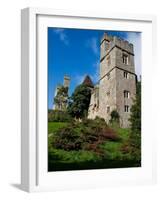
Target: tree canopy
(79, 101)
(135, 117)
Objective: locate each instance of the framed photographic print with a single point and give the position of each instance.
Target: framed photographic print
(86, 108)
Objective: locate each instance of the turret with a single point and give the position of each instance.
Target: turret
(66, 81)
(104, 45)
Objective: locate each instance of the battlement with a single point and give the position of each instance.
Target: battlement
(66, 81)
(106, 37)
(118, 42)
(123, 44)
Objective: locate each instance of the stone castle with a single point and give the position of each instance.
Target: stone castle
(62, 103)
(116, 87)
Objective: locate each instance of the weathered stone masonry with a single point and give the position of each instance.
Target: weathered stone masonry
(117, 82)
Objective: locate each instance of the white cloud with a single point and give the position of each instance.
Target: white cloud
(135, 39)
(93, 45)
(62, 35)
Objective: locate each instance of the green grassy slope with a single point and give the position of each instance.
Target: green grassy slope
(60, 160)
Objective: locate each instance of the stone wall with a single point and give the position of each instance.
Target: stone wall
(107, 95)
(112, 81)
(93, 110)
(129, 85)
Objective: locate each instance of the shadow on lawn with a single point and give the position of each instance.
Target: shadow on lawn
(103, 164)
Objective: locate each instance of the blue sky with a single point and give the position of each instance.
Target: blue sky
(76, 53)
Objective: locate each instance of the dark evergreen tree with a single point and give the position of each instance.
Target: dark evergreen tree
(135, 119)
(115, 116)
(79, 102)
(88, 82)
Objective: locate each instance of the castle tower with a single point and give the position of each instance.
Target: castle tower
(56, 106)
(66, 81)
(104, 46)
(117, 84)
(61, 96)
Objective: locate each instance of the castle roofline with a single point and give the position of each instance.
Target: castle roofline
(87, 81)
(106, 37)
(118, 42)
(66, 77)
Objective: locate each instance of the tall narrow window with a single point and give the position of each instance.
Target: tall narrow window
(125, 59)
(126, 75)
(108, 109)
(126, 108)
(108, 60)
(126, 94)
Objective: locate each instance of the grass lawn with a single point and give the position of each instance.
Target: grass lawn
(54, 126)
(113, 147)
(60, 160)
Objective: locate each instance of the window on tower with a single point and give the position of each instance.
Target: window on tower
(108, 109)
(108, 60)
(126, 94)
(126, 75)
(125, 59)
(126, 108)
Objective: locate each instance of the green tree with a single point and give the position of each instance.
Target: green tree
(135, 119)
(79, 102)
(114, 121)
(115, 116)
(61, 99)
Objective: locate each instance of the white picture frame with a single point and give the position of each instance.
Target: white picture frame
(34, 22)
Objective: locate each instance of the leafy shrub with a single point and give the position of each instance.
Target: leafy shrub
(85, 135)
(133, 146)
(67, 139)
(72, 156)
(114, 117)
(58, 116)
(135, 118)
(79, 102)
(125, 148)
(134, 142)
(110, 134)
